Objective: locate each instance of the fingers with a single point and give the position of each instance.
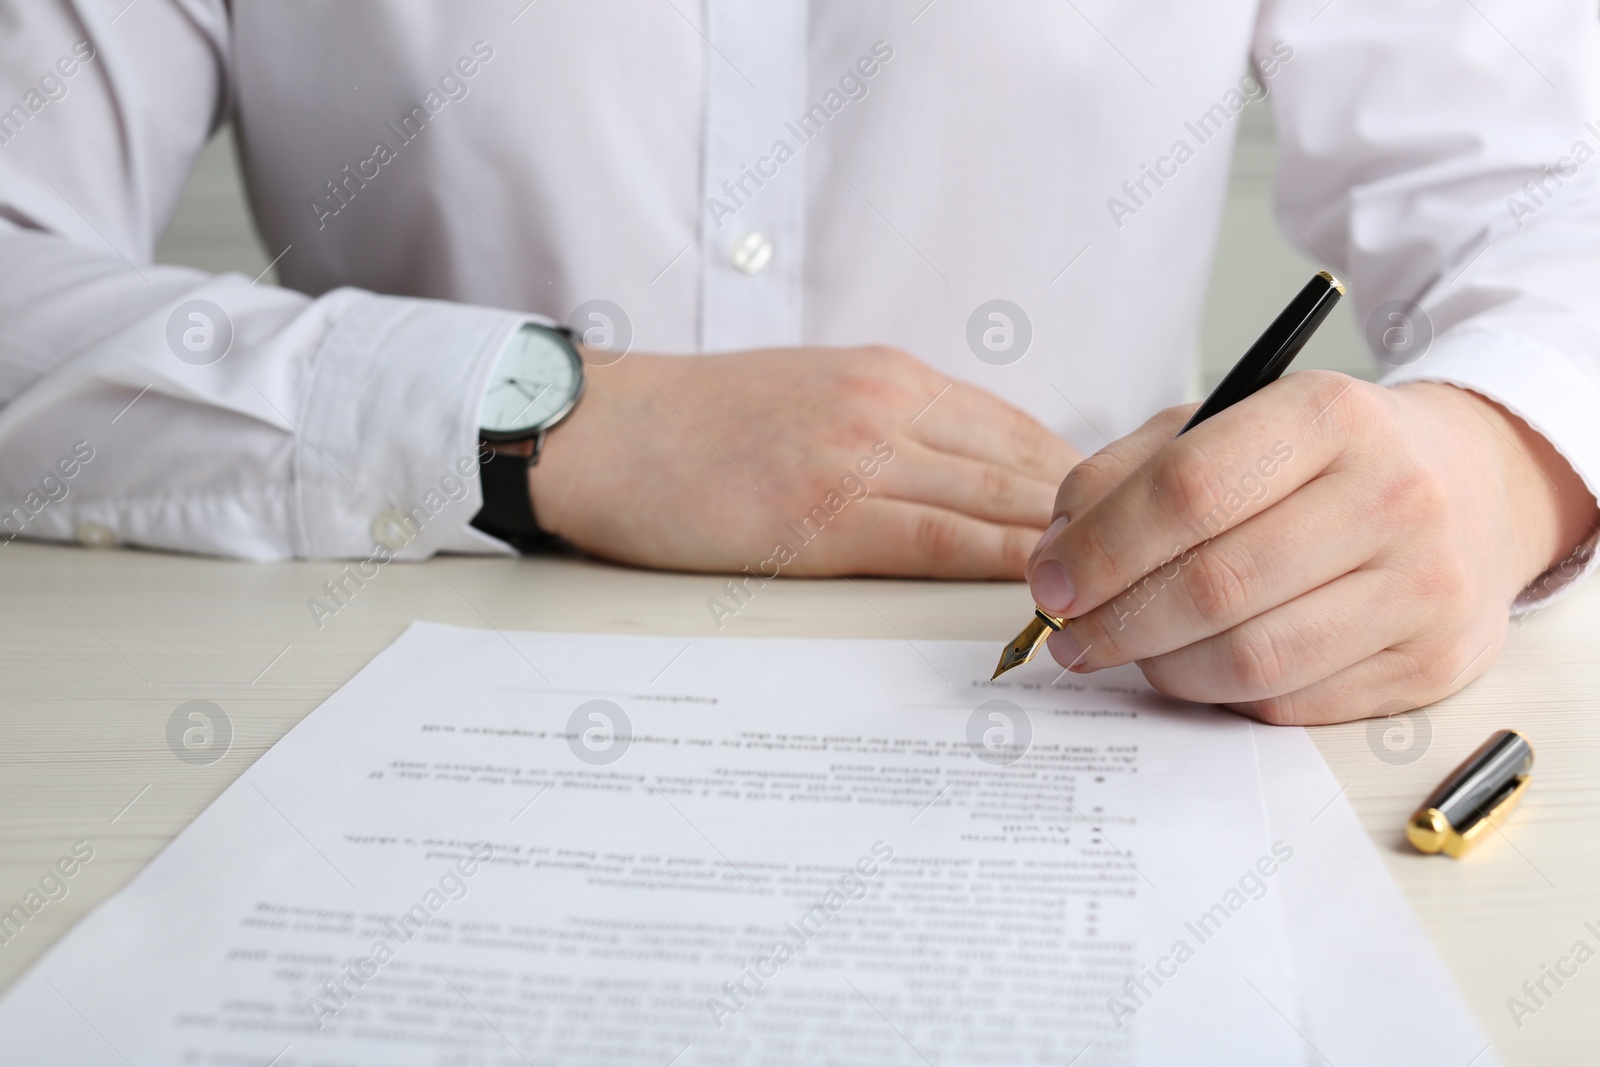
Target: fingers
(1392, 681)
(901, 539)
(1285, 649)
(970, 422)
(1219, 474)
(922, 475)
(1102, 472)
(1277, 556)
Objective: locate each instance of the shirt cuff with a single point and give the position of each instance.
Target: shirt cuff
(1556, 395)
(392, 408)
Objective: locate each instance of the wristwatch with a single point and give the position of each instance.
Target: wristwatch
(535, 385)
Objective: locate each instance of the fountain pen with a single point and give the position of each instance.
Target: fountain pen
(1258, 368)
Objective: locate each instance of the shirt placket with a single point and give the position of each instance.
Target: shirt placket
(753, 180)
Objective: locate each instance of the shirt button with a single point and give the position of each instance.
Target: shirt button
(393, 528)
(752, 252)
(93, 535)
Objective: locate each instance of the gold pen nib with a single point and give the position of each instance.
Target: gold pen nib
(1026, 645)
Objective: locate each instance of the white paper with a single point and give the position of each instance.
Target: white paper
(1373, 991)
(822, 796)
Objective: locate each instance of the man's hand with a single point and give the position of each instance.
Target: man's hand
(1313, 554)
(852, 461)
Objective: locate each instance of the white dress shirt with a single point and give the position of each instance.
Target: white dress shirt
(435, 173)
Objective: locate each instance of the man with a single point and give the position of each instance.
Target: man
(1022, 196)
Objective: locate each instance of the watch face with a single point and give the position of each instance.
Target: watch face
(534, 385)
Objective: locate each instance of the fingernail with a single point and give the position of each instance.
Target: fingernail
(1064, 647)
(1052, 589)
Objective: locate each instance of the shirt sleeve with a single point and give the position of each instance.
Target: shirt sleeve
(165, 407)
(1443, 157)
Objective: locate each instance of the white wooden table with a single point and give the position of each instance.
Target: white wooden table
(99, 649)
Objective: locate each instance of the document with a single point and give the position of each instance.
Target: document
(505, 848)
(1372, 989)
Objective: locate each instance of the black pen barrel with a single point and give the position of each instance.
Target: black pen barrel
(1274, 350)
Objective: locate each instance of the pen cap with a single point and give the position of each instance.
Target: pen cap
(1474, 788)
(1477, 794)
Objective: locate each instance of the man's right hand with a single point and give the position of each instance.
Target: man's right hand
(709, 463)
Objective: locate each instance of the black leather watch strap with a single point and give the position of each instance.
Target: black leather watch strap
(507, 511)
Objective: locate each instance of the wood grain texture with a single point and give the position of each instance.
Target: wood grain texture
(100, 648)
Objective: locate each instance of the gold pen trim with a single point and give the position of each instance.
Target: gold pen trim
(1429, 830)
(1331, 280)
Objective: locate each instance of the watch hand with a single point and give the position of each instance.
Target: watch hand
(531, 400)
(518, 384)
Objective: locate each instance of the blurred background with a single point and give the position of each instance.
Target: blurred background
(212, 231)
